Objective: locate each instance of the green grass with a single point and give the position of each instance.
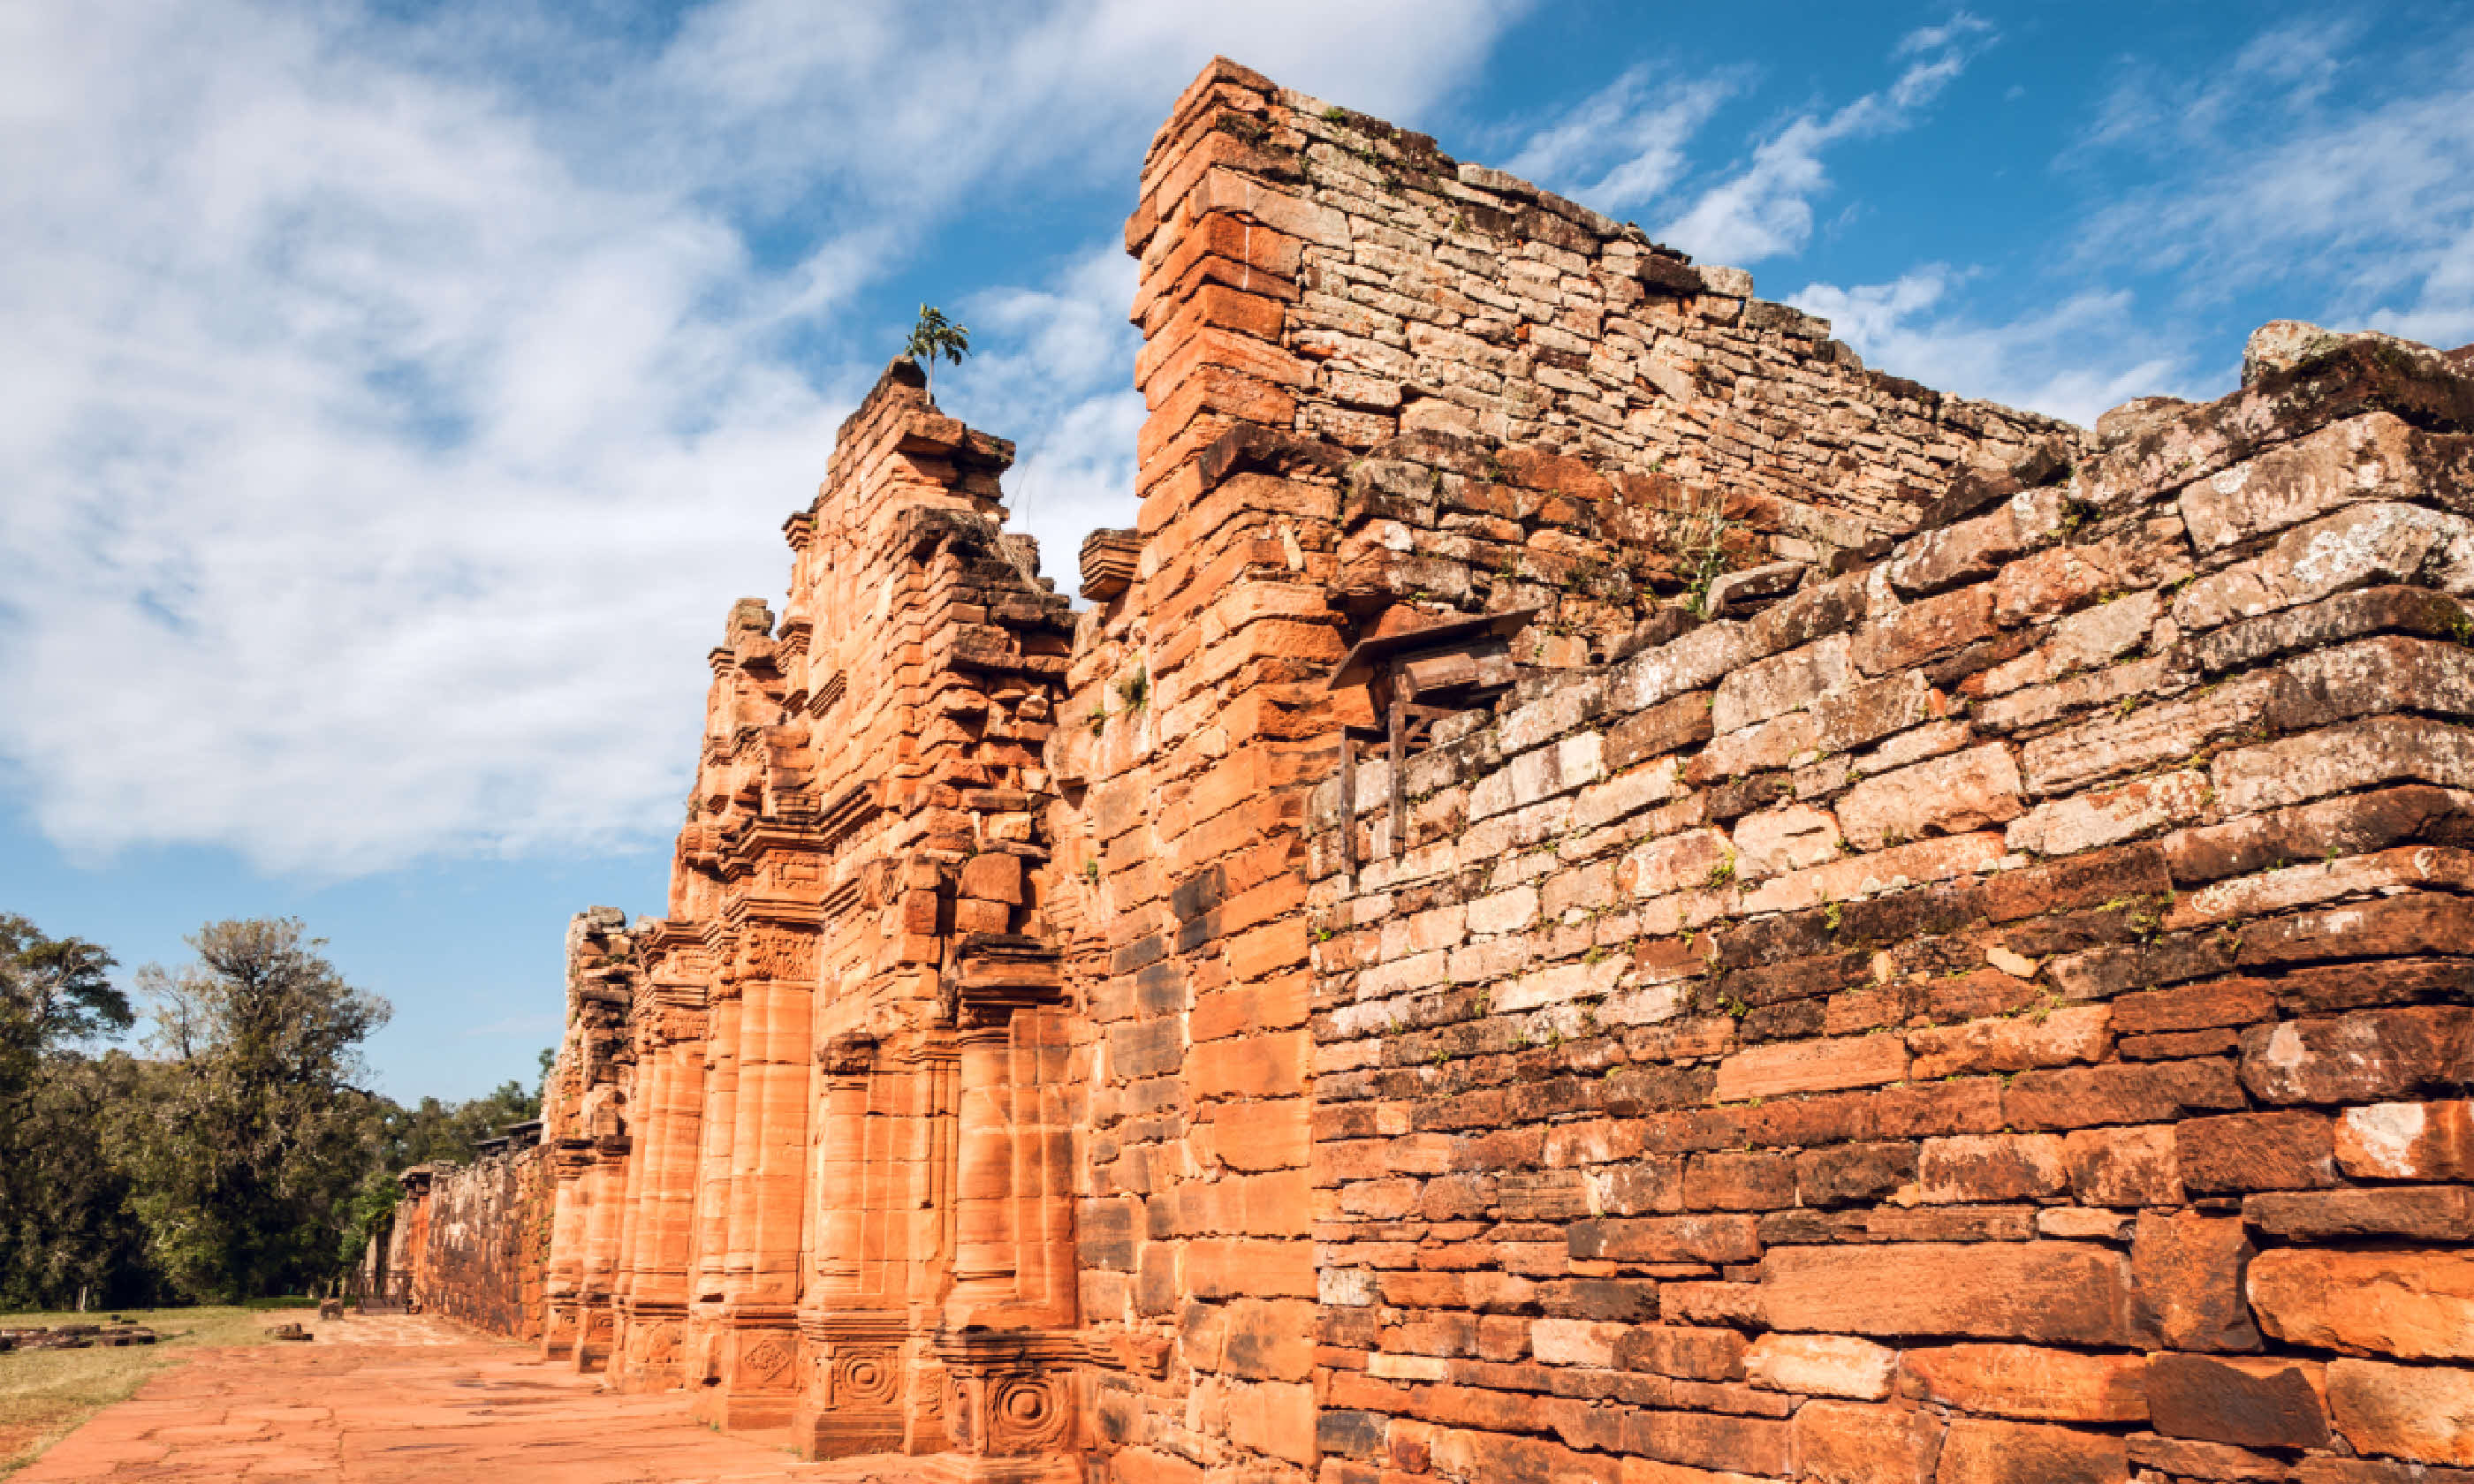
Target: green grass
(45, 1394)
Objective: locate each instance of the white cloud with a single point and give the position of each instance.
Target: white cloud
(2300, 168)
(396, 409)
(2075, 360)
(1765, 209)
(1065, 382)
(1623, 146)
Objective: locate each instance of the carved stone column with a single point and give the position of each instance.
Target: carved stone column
(853, 1400)
(984, 1209)
(663, 1209)
(562, 1281)
(706, 1335)
(1006, 1342)
(644, 1125)
(757, 1365)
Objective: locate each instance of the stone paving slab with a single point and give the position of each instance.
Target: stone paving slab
(382, 1399)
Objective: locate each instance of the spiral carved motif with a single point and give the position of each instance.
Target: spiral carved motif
(865, 1378)
(1024, 1414)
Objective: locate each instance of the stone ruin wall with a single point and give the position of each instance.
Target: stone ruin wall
(476, 1246)
(1995, 1014)
(1977, 991)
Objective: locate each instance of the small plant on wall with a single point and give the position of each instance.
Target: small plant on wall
(936, 336)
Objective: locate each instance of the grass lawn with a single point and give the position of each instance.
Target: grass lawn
(44, 1393)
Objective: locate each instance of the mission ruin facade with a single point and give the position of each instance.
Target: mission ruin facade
(1600, 893)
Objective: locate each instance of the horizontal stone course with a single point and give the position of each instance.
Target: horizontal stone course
(2037, 971)
(1894, 938)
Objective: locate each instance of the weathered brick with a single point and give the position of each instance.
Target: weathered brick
(2368, 1056)
(2359, 459)
(1668, 727)
(2406, 1141)
(2030, 1382)
(1923, 630)
(1991, 1168)
(2194, 1397)
(2422, 1413)
(1811, 1067)
(2375, 543)
(2256, 1152)
(1946, 795)
(2047, 1291)
(1842, 1442)
(1690, 1353)
(2124, 1167)
(1738, 1182)
(2188, 1272)
(1822, 1365)
(1788, 682)
(2057, 1038)
(2152, 1092)
(1849, 1174)
(1750, 1444)
(1988, 1452)
(1710, 1238)
(2436, 1213)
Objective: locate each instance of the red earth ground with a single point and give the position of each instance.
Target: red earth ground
(383, 1400)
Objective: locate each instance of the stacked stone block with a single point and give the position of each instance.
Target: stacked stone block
(1414, 292)
(1940, 1028)
(1904, 943)
(475, 1239)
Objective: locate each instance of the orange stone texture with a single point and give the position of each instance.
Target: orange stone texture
(1598, 894)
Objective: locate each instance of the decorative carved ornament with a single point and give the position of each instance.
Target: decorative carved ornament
(774, 953)
(1006, 1414)
(1025, 1413)
(863, 1379)
(765, 1360)
(658, 1345)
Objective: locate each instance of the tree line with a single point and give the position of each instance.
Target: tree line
(235, 1153)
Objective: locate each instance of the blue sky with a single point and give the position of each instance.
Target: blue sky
(394, 397)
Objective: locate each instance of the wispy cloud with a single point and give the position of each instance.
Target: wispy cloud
(2073, 360)
(396, 406)
(1624, 146)
(1065, 379)
(2297, 167)
(1765, 209)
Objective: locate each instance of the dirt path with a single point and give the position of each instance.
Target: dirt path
(376, 1400)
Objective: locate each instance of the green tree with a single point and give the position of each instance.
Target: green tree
(66, 1224)
(64, 1221)
(252, 1137)
(933, 336)
(52, 991)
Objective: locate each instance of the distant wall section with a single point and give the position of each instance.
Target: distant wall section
(472, 1240)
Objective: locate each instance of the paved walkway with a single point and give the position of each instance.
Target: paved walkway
(382, 1399)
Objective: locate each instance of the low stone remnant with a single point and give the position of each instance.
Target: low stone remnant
(75, 1336)
(1602, 894)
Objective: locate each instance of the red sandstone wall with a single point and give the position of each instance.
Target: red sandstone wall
(1315, 287)
(475, 1240)
(1406, 291)
(1882, 1033)
(2000, 1015)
